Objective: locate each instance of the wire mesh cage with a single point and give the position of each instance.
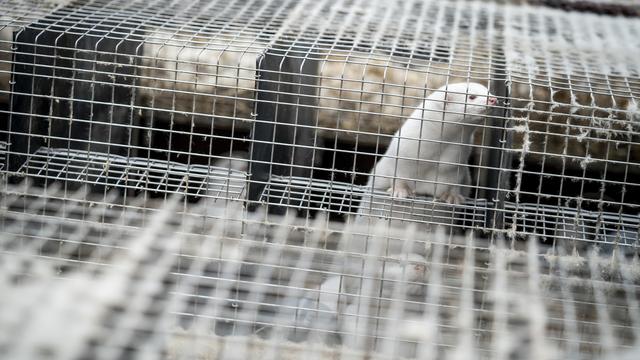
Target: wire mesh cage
(145, 279)
(302, 178)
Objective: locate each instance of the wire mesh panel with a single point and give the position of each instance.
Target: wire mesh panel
(349, 94)
(301, 178)
(98, 277)
(575, 115)
(133, 174)
(323, 90)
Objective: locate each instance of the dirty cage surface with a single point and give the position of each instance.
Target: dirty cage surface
(192, 179)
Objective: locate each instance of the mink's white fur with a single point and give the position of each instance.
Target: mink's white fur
(429, 153)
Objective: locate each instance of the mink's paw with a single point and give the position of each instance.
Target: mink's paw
(400, 191)
(452, 197)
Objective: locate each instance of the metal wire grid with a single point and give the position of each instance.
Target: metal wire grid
(591, 335)
(474, 24)
(124, 279)
(139, 174)
(591, 227)
(346, 199)
(603, 7)
(19, 12)
(136, 174)
(3, 154)
(579, 226)
(575, 116)
(387, 37)
(245, 21)
(195, 25)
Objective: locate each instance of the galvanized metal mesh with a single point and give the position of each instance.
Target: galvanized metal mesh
(316, 91)
(106, 277)
(215, 159)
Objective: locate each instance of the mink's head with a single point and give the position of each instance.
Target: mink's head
(464, 100)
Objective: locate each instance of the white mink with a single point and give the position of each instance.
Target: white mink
(395, 337)
(338, 291)
(413, 275)
(353, 317)
(429, 153)
(314, 318)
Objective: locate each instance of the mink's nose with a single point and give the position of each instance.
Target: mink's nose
(492, 100)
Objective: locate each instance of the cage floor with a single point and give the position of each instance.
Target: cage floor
(521, 219)
(344, 201)
(133, 174)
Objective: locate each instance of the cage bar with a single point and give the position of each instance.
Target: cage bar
(285, 111)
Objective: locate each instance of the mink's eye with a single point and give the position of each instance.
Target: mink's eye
(472, 97)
